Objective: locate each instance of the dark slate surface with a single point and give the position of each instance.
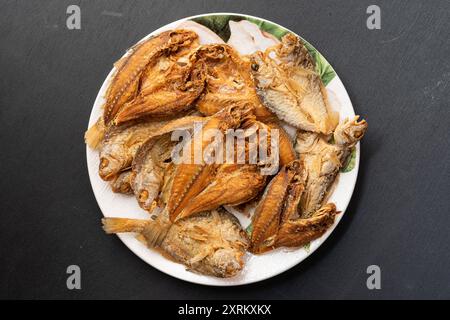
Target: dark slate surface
(398, 78)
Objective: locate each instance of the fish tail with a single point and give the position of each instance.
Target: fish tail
(119, 225)
(94, 135)
(155, 232)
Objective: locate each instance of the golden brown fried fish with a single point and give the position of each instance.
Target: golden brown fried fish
(322, 160)
(288, 85)
(190, 178)
(149, 167)
(129, 70)
(277, 221)
(121, 143)
(228, 81)
(211, 242)
(122, 182)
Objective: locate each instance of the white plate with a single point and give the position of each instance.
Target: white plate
(257, 268)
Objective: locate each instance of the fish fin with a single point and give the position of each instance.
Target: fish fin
(200, 256)
(333, 116)
(141, 239)
(95, 134)
(299, 232)
(119, 225)
(155, 233)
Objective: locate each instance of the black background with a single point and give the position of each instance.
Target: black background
(397, 77)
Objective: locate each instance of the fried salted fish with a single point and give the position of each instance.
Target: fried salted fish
(149, 167)
(153, 79)
(210, 243)
(119, 147)
(322, 160)
(287, 83)
(278, 222)
(126, 81)
(228, 81)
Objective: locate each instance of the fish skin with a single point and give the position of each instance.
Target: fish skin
(95, 134)
(222, 251)
(288, 85)
(287, 152)
(149, 166)
(179, 87)
(269, 211)
(232, 185)
(286, 148)
(247, 38)
(210, 243)
(125, 82)
(122, 182)
(323, 160)
(277, 221)
(191, 178)
(228, 81)
(120, 146)
(300, 232)
(121, 143)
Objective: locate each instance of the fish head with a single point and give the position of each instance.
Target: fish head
(350, 131)
(109, 167)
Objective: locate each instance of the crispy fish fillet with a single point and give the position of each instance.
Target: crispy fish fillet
(228, 81)
(150, 66)
(125, 83)
(190, 177)
(95, 134)
(233, 184)
(168, 88)
(210, 243)
(300, 232)
(277, 221)
(121, 143)
(285, 148)
(322, 160)
(288, 85)
(268, 213)
(149, 167)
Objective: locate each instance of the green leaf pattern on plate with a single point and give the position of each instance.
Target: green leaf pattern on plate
(249, 229)
(220, 25)
(307, 247)
(323, 68)
(350, 162)
(217, 23)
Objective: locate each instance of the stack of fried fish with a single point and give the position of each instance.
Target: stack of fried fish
(170, 82)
